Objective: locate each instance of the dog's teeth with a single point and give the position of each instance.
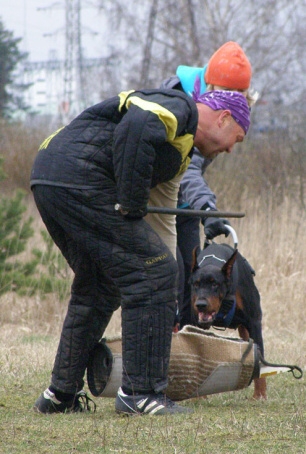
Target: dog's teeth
(206, 318)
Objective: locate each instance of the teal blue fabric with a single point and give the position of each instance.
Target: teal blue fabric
(187, 76)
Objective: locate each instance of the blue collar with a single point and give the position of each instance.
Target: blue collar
(226, 313)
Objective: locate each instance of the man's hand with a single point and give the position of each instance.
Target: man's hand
(214, 226)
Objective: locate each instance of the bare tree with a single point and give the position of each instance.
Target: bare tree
(148, 44)
(189, 31)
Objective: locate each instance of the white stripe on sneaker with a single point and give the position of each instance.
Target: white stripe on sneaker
(141, 403)
(155, 410)
(50, 395)
(153, 407)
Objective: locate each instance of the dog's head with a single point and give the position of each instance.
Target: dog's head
(210, 282)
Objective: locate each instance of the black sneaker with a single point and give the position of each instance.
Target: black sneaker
(47, 403)
(147, 404)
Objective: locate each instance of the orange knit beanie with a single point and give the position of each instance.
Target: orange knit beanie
(229, 67)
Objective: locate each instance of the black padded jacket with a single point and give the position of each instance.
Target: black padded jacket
(132, 142)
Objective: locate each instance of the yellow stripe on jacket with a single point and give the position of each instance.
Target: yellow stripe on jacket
(182, 143)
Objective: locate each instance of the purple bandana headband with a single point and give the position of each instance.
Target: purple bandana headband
(225, 100)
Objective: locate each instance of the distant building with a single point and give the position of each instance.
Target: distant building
(56, 90)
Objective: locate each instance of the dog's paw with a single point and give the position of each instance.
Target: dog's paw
(259, 396)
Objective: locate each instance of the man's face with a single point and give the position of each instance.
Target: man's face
(220, 136)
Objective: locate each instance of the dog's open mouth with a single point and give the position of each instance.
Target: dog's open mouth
(205, 319)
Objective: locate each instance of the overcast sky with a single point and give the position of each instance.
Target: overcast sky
(26, 21)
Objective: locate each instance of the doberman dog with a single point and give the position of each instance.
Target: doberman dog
(224, 295)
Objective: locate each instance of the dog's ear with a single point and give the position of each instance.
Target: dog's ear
(227, 269)
(195, 253)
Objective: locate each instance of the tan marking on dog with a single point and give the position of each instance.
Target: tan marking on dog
(239, 301)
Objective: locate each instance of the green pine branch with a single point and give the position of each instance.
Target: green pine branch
(40, 271)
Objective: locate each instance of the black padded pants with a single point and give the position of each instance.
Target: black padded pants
(115, 261)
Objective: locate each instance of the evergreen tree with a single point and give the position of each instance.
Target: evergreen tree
(14, 233)
(11, 98)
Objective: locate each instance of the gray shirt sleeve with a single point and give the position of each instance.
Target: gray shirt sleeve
(194, 190)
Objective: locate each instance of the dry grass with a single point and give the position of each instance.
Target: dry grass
(19, 144)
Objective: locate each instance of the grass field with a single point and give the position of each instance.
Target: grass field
(225, 423)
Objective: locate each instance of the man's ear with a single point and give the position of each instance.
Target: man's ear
(224, 118)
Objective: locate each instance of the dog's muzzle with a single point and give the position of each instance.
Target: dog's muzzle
(205, 319)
